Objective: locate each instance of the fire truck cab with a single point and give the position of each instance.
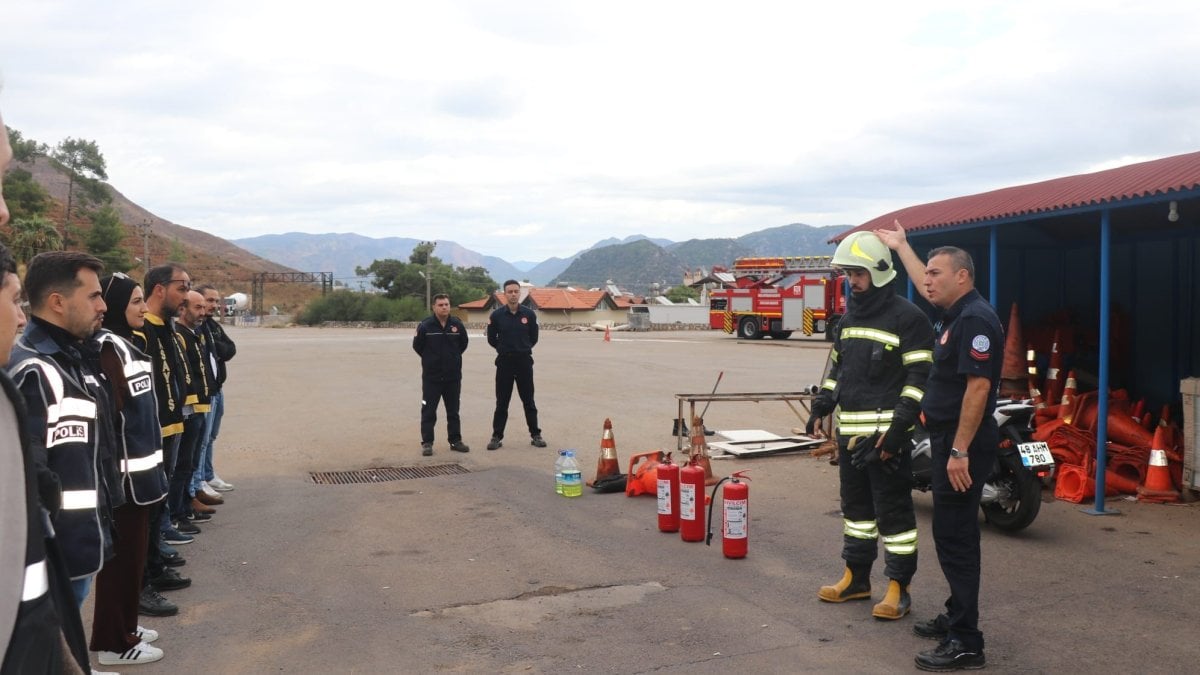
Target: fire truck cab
(776, 296)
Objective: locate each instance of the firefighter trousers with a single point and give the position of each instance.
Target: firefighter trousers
(876, 503)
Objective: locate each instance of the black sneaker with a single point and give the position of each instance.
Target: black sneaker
(427, 449)
(185, 527)
(494, 443)
(197, 517)
(152, 603)
(537, 441)
(950, 655)
(169, 580)
(175, 561)
(459, 446)
(931, 629)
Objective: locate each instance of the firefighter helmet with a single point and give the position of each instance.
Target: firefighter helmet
(865, 250)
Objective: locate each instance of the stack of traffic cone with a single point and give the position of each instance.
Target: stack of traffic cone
(1054, 383)
(1158, 486)
(1031, 365)
(607, 334)
(607, 465)
(1013, 374)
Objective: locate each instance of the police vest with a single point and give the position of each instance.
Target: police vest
(139, 435)
(71, 443)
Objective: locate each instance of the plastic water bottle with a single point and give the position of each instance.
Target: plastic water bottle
(572, 477)
(558, 471)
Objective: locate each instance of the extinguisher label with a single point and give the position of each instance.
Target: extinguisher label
(664, 497)
(735, 518)
(687, 501)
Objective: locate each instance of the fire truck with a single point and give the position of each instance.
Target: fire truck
(775, 296)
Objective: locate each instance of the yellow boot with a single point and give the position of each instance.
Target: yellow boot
(853, 586)
(895, 604)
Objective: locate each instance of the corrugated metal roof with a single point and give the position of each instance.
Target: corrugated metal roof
(1159, 176)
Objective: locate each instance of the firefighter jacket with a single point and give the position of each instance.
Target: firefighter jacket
(138, 433)
(223, 348)
(67, 437)
(513, 333)
(157, 340)
(198, 396)
(881, 360)
(441, 348)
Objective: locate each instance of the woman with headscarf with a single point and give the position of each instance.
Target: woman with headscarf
(116, 634)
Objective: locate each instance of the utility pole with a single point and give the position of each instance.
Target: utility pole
(144, 230)
(428, 292)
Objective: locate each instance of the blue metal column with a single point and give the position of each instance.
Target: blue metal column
(1102, 392)
(993, 266)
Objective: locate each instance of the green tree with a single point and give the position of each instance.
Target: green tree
(682, 294)
(24, 150)
(104, 240)
(25, 196)
(33, 235)
(86, 169)
(177, 254)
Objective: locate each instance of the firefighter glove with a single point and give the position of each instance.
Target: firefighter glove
(822, 405)
(863, 451)
(898, 440)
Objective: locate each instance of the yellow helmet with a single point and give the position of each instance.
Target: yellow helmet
(865, 250)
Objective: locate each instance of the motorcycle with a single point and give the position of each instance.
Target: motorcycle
(1012, 494)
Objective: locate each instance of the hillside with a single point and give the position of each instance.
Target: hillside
(634, 266)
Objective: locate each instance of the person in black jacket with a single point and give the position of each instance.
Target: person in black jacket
(513, 331)
(440, 341)
(881, 359)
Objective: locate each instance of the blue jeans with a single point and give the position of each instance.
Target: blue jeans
(81, 587)
(212, 427)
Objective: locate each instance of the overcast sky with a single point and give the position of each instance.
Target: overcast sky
(530, 129)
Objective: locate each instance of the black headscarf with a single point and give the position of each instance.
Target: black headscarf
(117, 289)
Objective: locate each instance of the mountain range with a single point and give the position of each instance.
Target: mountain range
(633, 263)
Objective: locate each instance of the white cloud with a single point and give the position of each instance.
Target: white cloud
(534, 128)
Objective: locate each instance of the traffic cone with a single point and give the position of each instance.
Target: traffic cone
(1054, 383)
(607, 334)
(1158, 486)
(1035, 393)
(1125, 430)
(608, 464)
(1117, 484)
(1013, 374)
(1069, 390)
(699, 450)
(1074, 484)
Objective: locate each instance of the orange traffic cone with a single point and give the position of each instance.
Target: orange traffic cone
(1125, 430)
(1054, 382)
(1035, 393)
(1158, 486)
(607, 334)
(699, 450)
(1069, 391)
(1074, 484)
(608, 464)
(1013, 374)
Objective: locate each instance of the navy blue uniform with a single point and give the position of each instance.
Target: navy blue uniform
(969, 340)
(441, 348)
(513, 335)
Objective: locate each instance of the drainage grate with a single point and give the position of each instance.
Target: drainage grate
(384, 473)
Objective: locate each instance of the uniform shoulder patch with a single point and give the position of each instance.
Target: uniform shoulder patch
(980, 344)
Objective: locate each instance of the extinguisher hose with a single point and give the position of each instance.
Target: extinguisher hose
(712, 501)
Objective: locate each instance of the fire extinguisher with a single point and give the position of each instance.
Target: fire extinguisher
(735, 520)
(691, 501)
(668, 495)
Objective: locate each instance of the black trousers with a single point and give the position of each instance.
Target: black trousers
(874, 495)
(179, 498)
(956, 529)
(510, 369)
(448, 391)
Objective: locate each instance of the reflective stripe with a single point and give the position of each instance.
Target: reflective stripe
(142, 463)
(904, 543)
(37, 583)
(1033, 370)
(860, 530)
(79, 499)
(915, 393)
(852, 423)
(829, 384)
(861, 429)
(865, 416)
(918, 355)
(872, 334)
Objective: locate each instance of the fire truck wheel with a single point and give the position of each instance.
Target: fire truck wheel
(781, 334)
(749, 329)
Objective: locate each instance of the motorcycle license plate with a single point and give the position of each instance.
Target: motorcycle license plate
(1035, 454)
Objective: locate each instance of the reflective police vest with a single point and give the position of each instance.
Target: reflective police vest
(70, 441)
(139, 435)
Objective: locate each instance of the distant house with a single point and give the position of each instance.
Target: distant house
(558, 306)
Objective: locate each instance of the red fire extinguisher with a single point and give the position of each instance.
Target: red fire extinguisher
(691, 501)
(735, 520)
(668, 495)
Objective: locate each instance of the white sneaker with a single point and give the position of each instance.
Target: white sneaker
(209, 490)
(146, 634)
(139, 653)
(103, 672)
(220, 485)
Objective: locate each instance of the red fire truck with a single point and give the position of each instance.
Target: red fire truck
(778, 295)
